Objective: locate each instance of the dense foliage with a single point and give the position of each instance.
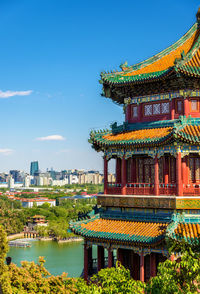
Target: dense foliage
(177, 277)
(181, 276)
(111, 281)
(173, 277)
(34, 278)
(13, 217)
(5, 285)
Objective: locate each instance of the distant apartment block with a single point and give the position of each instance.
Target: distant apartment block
(28, 203)
(94, 178)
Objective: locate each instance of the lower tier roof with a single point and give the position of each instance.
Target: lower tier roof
(188, 232)
(186, 130)
(121, 230)
(137, 232)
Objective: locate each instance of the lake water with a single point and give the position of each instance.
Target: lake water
(60, 257)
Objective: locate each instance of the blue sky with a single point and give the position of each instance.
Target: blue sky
(51, 55)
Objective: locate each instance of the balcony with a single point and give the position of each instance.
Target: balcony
(192, 189)
(141, 189)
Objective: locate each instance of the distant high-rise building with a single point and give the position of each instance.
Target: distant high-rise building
(16, 175)
(34, 168)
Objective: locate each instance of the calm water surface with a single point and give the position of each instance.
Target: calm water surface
(64, 257)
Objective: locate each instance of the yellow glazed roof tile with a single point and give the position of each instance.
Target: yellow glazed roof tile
(139, 134)
(146, 229)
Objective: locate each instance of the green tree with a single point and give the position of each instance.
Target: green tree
(182, 276)
(46, 205)
(4, 274)
(34, 278)
(111, 281)
(58, 229)
(42, 231)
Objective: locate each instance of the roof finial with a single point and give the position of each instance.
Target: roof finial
(198, 15)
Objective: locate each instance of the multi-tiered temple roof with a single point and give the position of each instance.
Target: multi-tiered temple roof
(180, 59)
(156, 195)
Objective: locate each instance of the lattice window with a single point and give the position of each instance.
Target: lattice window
(179, 106)
(140, 167)
(148, 161)
(165, 107)
(147, 174)
(156, 108)
(148, 109)
(197, 169)
(135, 111)
(194, 105)
(128, 170)
(149, 170)
(152, 173)
(192, 170)
(173, 169)
(160, 163)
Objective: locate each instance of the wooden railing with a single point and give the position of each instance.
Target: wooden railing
(167, 189)
(114, 188)
(139, 189)
(143, 189)
(192, 189)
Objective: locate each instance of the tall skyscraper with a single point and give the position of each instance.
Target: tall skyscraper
(34, 168)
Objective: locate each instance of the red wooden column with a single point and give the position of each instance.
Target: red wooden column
(184, 171)
(110, 257)
(156, 176)
(172, 108)
(86, 266)
(142, 267)
(123, 176)
(186, 107)
(120, 255)
(105, 175)
(100, 257)
(153, 264)
(166, 170)
(187, 170)
(179, 183)
(128, 113)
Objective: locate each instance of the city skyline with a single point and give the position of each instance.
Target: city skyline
(50, 67)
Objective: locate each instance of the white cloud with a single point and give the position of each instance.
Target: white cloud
(6, 151)
(51, 138)
(8, 94)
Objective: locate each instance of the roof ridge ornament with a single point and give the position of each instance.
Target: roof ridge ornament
(124, 65)
(198, 15)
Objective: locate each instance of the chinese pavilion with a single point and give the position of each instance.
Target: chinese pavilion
(157, 152)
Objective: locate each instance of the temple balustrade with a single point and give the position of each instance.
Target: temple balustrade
(161, 175)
